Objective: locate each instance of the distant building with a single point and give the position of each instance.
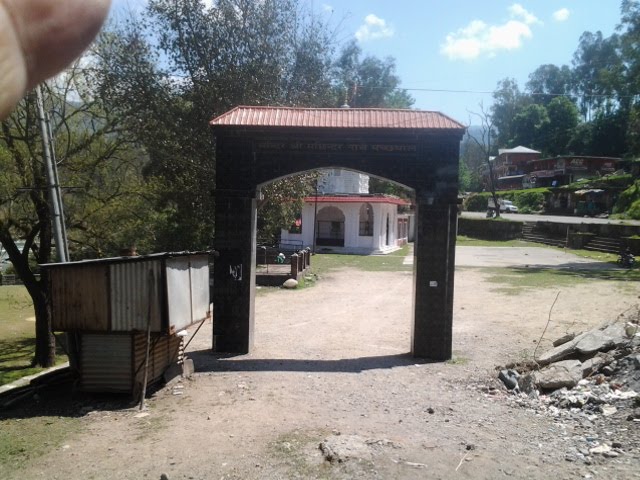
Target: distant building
(521, 167)
(566, 169)
(346, 218)
(510, 166)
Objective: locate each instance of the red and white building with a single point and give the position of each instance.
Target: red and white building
(351, 221)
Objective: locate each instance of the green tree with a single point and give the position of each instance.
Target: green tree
(368, 82)
(549, 81)
(87, 142)
(563, 120)
(508, 100)
(598, 70)
(530, 127)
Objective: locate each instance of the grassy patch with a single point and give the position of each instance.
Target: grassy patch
(17, 336)
(25, 439)
(322, 263)
(457, 359)
(516, 280)
(464, 241)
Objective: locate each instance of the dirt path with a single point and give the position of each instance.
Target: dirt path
(331, 363)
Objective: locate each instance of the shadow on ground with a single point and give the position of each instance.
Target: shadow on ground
(207, 361)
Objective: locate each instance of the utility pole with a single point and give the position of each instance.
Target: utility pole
(55, 197)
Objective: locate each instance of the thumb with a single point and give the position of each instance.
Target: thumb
(38, 38)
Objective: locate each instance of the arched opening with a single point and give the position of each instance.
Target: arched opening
(330, 227)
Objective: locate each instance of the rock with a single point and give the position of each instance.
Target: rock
(617, 333)
(608, 371)
(527, 384)
(560, 352)
(509, 378)
(566, 373)
(595, 364)
(290, 283)
(600, 449)
(164, 477)
(608, 410)
(564, 339)
(593, 342)
(339, 449)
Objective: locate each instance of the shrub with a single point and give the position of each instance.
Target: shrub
(627, 200)
(476, 202)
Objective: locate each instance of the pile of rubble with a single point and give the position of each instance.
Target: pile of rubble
(592, 379)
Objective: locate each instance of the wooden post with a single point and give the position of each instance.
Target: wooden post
(294, 265)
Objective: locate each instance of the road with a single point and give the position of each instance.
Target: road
(554, 218)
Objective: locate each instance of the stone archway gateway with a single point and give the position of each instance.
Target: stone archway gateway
(418, 149)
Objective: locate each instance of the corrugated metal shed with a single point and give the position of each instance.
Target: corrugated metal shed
(244, 116)
(121, 294)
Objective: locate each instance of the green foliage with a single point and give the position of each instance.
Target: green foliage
(283, 201)
(610, 181)
(529, 200)
(367, 82)
(476, 202)
(629, 202)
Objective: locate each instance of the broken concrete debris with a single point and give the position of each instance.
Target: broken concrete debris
(588, 383)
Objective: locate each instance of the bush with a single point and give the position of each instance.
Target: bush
(629, 201)
(527, 201)
(476, 202)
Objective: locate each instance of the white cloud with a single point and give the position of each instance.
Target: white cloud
(561, 15)
(480, 39)
(518, 11)
(327, 8)
(373, 28)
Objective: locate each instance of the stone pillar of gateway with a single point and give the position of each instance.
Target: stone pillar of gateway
(418, 149)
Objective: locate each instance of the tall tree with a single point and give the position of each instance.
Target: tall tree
(87, 139)
(598, 70)
(368, 82)
(548, 82)
(508, 100)
(563, 120)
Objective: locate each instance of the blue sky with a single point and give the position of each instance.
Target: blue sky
(464, 44)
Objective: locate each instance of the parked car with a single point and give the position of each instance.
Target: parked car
(506, 206)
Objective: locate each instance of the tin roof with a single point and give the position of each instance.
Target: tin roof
(336, 118)
(136, 258)
(356, 199)
(518, 149)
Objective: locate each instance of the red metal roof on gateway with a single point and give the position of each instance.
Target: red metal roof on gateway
(336, 118)
(356, 199)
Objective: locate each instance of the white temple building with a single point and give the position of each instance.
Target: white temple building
(345, 218)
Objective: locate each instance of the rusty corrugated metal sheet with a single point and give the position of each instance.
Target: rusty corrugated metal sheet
(105, 363)
(115, 362)
(130, 292)
(243, 116)
(164, 352)
(78, 298)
